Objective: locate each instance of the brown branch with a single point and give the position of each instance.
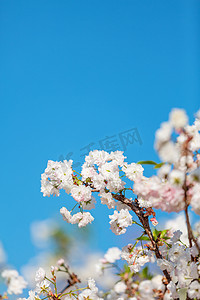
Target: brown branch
(145, 223)
(189, 228)
(73, 279)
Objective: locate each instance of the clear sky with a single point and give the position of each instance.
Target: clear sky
(76, 72)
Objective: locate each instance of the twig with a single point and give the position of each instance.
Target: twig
(73, 279)
(145, 222)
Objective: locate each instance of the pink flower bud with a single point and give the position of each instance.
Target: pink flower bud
(60, 262)
(154, 221)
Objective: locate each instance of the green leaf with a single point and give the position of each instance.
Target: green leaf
(147, 162)
(151, 162)
(126, 268)
(157, 166)
(143, 238)
(145, 274)
(182, 294)
(163, 233)
(155, 233)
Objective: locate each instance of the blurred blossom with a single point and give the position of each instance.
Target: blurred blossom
(88, 266)
(41, 232)
(3, 256)
(178, 223)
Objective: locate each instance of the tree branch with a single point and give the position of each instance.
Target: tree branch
(145, 222)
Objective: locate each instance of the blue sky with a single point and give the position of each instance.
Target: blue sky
(75, 72)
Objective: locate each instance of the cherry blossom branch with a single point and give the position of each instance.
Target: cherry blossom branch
(73, 279)
(189, 228)
(145, 222)
(185, 188)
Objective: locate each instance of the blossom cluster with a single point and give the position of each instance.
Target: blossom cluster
(102, 172)
(15, 282)
(47, 287)
(183, 266)
(129, 194)
(175, 188)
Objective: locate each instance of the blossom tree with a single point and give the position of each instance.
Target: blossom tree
(123, 188)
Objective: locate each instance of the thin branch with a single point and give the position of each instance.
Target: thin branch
(73, 279)
(185, 188)
(145, 222)
(189, 228)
